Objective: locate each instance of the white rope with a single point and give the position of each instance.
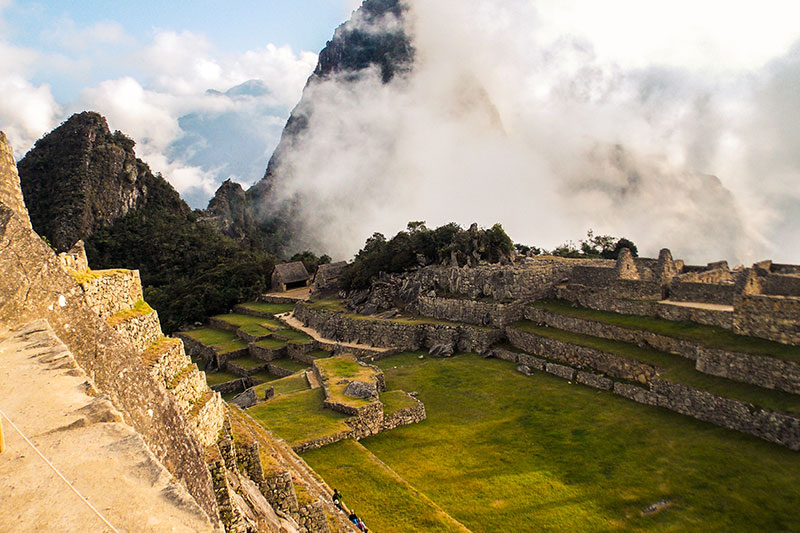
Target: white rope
(51, 465)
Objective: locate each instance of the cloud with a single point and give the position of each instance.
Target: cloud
(508, 117)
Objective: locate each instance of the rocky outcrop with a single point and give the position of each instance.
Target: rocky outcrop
(81, 177)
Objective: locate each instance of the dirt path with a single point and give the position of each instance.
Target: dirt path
(290, 320)
(699, 305)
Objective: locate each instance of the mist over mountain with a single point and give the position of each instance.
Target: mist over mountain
(490, 121)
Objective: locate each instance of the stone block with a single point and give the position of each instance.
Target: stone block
(594, 380)
(562, 371)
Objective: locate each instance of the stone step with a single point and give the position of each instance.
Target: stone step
(165, 358)
(188, 386)
(207, 417)
(139, 327)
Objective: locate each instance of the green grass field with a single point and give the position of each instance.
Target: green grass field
(298, 416)
(503, 452)
(289, 364)
(676, 369)
(271, 343)
(711, 336)
(339, 368)
(268, 309)
(221, 340)
(395, 400)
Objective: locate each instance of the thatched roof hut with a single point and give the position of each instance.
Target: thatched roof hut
(290, 276)
(327, 275)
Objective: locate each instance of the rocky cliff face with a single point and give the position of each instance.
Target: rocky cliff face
(81, 177)
(229, 212)
(373, 38)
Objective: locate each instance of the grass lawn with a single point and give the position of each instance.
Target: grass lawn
(299, 416)
(268, 309)
(241, 320)
(676, 369)
(395, 400)
(377, 494)
(500, 451)
(219, 339)
(292, 335)
(220, 377)
(290, 364)
(335, 369)
(271, 343)
(258, 330)
(711, 336)
(293, 383)
(264, 377)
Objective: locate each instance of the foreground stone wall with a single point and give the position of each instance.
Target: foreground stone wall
(712, 293)
(770, 317)
(112, 291)
(34, 285)
(385, 333)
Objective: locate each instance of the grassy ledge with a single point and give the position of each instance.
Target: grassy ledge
(221, 340)
(396, 400)
(267, 308)
(140, 308)
(676, 369)
(335, 369)
(710, 336)
(85, 276)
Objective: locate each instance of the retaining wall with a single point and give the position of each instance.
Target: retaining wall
(712, 293)
(386, 333)
(482, 313)
(113, 291)
(770, 317)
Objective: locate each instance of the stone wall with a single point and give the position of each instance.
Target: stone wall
(266, 354)
(770, 317)
(482, 313)
(699, 315)
(141, 331)
(581, 357)
(695, 291)
(112, 291)
(782, 285)
(603, 299)
(409, 415)
(761, 370)
(34, 285)
(593, 275)
(386, 333)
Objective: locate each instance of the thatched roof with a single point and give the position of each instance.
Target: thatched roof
(290, 272)
(330, 271)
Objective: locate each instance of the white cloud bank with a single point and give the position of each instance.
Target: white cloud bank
(616, 119)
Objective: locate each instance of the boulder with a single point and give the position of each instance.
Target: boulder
(525, 369)
(442, 350)
(361, 389)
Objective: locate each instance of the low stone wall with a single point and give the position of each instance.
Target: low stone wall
(248, 338)
(234, 368)
(171, 360)
(265, 354)
(711, 293)
(387, 333)
(732, 414)
(207, 421)
(112, 291)
(581, 356)
(275, 370)
(196, 348)
(782, 285)
(605, 300)
(235, 386)
(403, 417)
(298, 351)
(222, 324)
(470, 311)
(311, 518)
(592, 275)
(708, 317)
(761, 370)
(140, 331)
(279, 491)
(775, 318)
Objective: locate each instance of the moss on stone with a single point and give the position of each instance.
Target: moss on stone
(140, 308)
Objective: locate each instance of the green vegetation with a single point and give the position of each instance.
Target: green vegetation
(299, 416)
(335, 369)
(155, 350)
(221, 340)
(711, 336)
(271, 343)
(500, 451)
(264, 376)
(596, 247)
(289, 364)
(319, 354)
(140, 308)
(83, 276)
(404, 250)
(238, 320)
(295, 382)
(382, 498)
(216, 378)
(292, 335)
(268, 308)
(675, 368)
(396, 400)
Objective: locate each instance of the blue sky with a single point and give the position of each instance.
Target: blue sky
(147, 67)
